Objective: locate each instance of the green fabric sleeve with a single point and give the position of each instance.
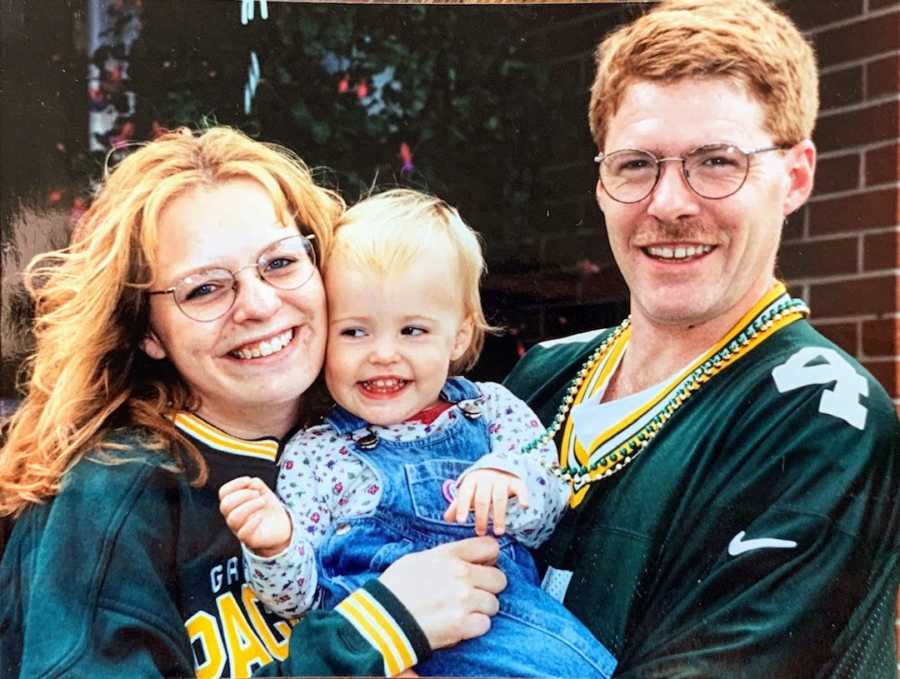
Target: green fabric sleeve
(85, 591)
(328, 643)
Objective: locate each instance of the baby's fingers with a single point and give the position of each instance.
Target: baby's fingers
(246, 532)
(518, 488)
(500, 495)
(236, 498)
(463, 500)
(450, 514)
(483, 496)
(239, 483)
(239, 515)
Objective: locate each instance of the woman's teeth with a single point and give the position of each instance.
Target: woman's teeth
(264, 348)
(678, 252)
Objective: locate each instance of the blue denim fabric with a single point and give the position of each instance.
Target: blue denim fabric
(533, 635)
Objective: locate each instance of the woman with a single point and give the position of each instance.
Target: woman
(175, 338)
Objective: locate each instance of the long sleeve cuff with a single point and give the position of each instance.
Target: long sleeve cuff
(379, 618)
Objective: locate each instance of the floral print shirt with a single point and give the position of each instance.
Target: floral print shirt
(322, 480)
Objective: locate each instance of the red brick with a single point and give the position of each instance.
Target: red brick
(881, 337)
(795, 290)
(808, 14)
(845, 335)
(855, 296)
(606, 285)
(819, 258)
(883, 76)
(880, 251)
(887, 373)
(883, 164)
(534, 287)
(793, 227)
(858, 40)
(868, 210)
(873, 123)
(839, 173)
(841, 87)
(567, 251)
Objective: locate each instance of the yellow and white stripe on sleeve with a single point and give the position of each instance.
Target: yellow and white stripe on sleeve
(377, 627)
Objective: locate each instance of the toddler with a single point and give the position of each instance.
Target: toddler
(408, 454)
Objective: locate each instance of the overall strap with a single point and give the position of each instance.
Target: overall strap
(344, 422)
(458, 389)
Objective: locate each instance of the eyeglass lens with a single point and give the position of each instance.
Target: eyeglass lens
(712, 171)
(209, 294)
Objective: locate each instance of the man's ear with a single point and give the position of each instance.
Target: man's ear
(801, 166)
(463, 338)
(152, 346)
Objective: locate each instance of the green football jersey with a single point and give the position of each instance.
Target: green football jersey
(756, 534)
(131, 572)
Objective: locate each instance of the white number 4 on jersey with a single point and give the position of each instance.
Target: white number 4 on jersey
(842, 400)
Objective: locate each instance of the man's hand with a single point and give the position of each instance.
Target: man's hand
(450, 590)
(488, 490)
(255, 515)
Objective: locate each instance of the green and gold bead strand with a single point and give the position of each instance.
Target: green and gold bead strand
(572, 390)
(624, 454)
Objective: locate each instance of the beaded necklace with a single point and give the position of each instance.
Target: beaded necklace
(743, 337)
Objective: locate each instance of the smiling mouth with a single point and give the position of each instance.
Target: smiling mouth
(677, 253)
(383, 386)
(265, 348)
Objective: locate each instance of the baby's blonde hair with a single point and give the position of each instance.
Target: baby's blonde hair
(386, 232)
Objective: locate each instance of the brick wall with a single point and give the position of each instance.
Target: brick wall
(840, 252)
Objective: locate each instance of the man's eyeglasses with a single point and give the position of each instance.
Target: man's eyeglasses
(209, 294)
(714, 171)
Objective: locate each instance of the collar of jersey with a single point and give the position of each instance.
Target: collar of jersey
(211, 436)
(574, 451)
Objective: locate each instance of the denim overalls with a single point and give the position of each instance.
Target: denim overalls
(533, 635)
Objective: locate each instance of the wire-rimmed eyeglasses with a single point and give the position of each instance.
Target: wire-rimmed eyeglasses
(712, 171)
(209, 294)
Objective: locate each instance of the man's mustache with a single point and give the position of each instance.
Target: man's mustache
(688, 230)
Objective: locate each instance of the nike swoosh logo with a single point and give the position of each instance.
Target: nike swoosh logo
(739, 545)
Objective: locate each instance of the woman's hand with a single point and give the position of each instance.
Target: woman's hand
(486, 491)
(255, 515)
(450, 590)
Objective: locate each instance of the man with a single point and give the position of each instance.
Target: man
(736, 475)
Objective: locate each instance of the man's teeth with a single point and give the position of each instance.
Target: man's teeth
(264, 348)
(678, 252)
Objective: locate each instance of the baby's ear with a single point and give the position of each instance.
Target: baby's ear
(152, 346)
(463, 338)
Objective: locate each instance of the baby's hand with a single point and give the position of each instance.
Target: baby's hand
(255, 515)
(488, 490)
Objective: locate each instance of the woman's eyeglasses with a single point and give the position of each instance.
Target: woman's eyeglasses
(209, 294)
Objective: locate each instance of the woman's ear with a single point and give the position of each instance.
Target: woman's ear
(463, 338)
(151, 346)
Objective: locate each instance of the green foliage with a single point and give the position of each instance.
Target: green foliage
(465, 94)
